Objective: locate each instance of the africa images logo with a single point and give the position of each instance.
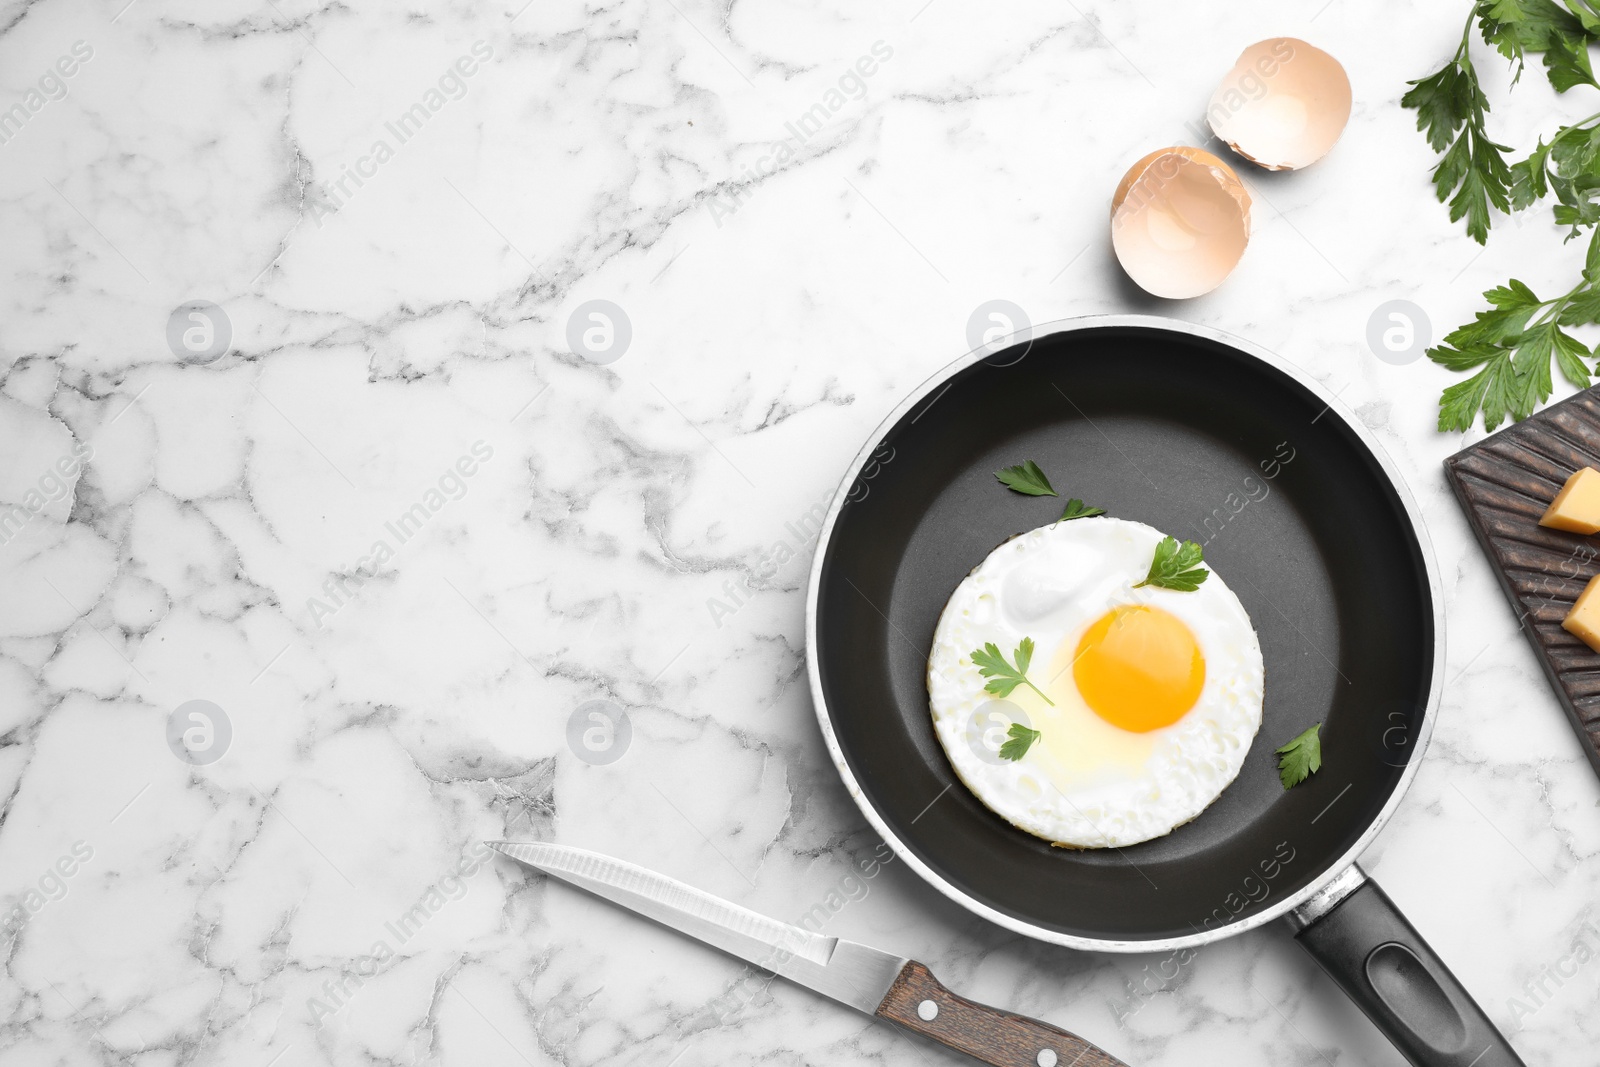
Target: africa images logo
(53, 485)
(851, 85)
(330, 196)
(52, 85)
(341, 588)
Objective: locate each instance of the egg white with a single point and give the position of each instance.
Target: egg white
(1087, 783)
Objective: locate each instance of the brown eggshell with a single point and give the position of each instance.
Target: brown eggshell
(1284, 104)
(1180, 221)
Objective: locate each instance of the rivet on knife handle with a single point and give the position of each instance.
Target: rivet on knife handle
(919, 1003)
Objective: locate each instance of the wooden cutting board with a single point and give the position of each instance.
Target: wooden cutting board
(1504, 483)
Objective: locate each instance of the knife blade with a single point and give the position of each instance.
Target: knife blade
(865, 978)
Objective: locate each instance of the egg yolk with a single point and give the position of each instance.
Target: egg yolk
(1139, 668)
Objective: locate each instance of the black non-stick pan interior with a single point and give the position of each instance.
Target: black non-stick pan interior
(1204, 442)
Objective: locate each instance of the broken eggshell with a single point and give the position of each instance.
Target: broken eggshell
(1180, 220)
(1283, 105)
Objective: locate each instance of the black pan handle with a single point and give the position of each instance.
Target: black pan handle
(1365, 944)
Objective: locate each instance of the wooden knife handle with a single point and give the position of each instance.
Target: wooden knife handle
(918, 1002)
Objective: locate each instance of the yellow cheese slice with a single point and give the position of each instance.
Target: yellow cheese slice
(1583, 621)
(1577, 507)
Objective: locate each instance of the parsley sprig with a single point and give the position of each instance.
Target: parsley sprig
(1300, 758)
(1029, 479)
(1514, 342)
(1076, 509)
(1516, 27)
(1176, 566)
(1473, 173)
(1021, 739)
(1003, 676)
(1511, 345)
(1569, 167)
(1025, 478)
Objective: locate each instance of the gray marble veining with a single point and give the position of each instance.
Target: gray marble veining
(528, 338)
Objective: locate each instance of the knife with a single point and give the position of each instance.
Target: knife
(867, 979)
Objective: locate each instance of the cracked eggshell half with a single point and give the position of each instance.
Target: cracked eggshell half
(1180, 220)
(1283, 105)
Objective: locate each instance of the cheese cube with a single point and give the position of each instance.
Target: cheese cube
(1577, 507)
(1583, 621)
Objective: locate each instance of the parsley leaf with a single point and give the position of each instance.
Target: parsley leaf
(1026, 478)
(1176, 566)
(1300, 758)
(1510, 346)
(1473, 173)
(1003, 677)
(1513, 344)
(1587, 13)
(1569, 167)
(1076, 510)
(1022, 739)
(1516, 27)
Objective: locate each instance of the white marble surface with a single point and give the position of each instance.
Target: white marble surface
(380, 331)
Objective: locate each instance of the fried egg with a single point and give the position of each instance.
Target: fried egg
(1147, 698)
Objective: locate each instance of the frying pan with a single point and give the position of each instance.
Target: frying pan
(1207, 438)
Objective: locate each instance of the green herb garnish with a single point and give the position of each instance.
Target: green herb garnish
(1021, 739)
(1300, 758)
(1026, 478)
(1003, 677)
(1077, 510)
(1569, 167)
(1516, 27)
(1472, 172)
(1176, 567)
(1450, 111)
(1513, 342)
